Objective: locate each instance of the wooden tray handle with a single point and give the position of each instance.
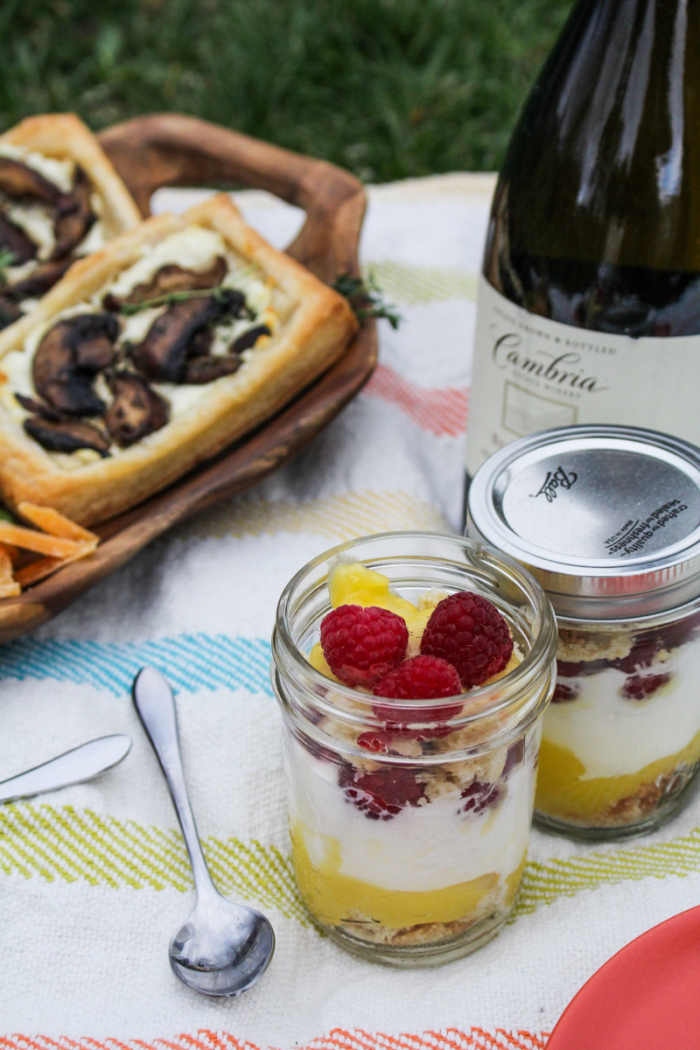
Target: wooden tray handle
(173, 150)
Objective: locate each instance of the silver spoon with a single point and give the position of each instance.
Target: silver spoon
(82, 763)
(223, 948)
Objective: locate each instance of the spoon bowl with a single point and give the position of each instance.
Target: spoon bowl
(223, 948)
(222, 951)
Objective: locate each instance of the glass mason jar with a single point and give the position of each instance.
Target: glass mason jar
(410, 819)
(622, 739)
(607, 519)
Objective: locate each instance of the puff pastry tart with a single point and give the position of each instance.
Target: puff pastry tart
(60, 199)
(152, 355)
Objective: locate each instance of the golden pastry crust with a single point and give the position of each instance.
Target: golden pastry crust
(316, 326)
(64, 136)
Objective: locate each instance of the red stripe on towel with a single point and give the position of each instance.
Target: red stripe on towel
(441, 410)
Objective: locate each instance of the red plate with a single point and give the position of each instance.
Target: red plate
(647, 997)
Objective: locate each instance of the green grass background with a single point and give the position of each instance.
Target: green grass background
(386, 88)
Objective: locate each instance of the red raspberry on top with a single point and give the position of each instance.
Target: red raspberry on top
(420, 678)
(361, 645)
(468, 631)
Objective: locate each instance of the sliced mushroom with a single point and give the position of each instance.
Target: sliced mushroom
(136, 410)
(163, 353)
(249, 338)
(9, 311)
(201, 370)
(15, 240)
(43, 277)
(170, 278)
(38, 408)
(74, 216)
(68, 435)
(200, 344)
(18, 181)
(68, 358)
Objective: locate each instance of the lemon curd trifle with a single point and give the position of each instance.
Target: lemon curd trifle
(623, 731)
(608, 520)
(411, 758)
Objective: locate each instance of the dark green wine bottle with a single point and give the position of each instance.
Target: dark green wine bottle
(589, 303)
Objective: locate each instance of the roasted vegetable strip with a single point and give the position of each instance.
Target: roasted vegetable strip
(55, 523)
(30, 540)
(43, 567)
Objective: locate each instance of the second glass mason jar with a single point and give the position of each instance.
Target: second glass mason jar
(410, 819)
(608, 519)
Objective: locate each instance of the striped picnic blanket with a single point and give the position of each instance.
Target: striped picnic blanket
(94, 878)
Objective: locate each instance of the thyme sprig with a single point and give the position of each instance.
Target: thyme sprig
(128, 309)
(7, 259)
(366, 298)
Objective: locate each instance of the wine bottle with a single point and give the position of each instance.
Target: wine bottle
(589, 302)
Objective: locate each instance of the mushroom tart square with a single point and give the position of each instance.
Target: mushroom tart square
(60, 199)
(154, 354)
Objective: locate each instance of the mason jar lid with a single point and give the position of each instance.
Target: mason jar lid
(607, 518)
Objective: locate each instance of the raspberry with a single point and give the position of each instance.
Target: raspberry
(581, 669)
(480, 797)
(381, 793)
(514, 757)
(563, 694)
(420, 678)
(642, 654)
(362, 645)
(386, 741)
(468, 631)
(639, 687)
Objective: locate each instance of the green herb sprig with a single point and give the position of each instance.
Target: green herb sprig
(128, 309)
(366, 298)
(7, 259)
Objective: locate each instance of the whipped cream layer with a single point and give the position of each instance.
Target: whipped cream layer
(426, 847)
(611, 735)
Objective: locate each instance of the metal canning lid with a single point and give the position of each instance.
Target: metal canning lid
(607, 518)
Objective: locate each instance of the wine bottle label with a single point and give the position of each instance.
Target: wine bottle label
(530, 373)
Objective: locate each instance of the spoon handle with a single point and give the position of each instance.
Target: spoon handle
(155, 706)
(82, 763)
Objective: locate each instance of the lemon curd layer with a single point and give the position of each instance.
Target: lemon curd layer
(334, 897)
(563, 789)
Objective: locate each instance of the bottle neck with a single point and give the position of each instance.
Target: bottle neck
(607, 137)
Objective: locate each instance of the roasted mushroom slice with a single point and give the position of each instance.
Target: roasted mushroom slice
(202, 370)
(9, 311)
(68, 358)
(68, 435)
(74, 216)
(38, 408)
(249, 338)
(19, 181)
(43, 277)
(136, 410)
(163, 353)
(15, 240)
(168, 279)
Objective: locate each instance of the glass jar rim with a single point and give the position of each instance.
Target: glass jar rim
(505, 691)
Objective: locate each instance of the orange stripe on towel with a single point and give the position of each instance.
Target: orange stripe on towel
(355, 1039)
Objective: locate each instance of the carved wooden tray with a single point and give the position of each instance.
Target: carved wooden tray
(172, 150)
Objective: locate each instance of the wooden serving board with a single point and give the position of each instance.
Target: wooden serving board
(172, 150)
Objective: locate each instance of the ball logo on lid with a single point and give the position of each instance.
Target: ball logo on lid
(556, 479)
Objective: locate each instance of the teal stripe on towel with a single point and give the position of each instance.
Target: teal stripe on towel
(191, 662)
